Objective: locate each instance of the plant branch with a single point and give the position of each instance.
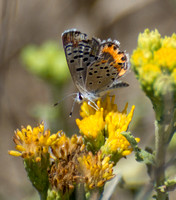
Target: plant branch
(160, 148)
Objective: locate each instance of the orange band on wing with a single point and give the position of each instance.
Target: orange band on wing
(114, 53)
(122, 72)
(119, 57)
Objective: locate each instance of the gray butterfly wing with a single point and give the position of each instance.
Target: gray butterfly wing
(80, 53)
(103, 74)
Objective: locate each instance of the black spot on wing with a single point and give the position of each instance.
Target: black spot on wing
(75, 57)
(85, 59)
(115, 47)
(90, 73)
(124, 58)
(79, 69)
(88, 64)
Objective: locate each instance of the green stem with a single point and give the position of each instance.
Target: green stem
(43, 195)
(160, 148)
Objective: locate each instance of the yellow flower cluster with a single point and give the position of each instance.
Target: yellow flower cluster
(64, 173)
(59, 161)
(102, 128)
(33, 142)
(154, 62)
(64, 148)
(96, 169)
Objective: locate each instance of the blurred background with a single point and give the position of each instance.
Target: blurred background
(34, 75)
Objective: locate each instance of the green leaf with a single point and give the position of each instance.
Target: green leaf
(140, 154)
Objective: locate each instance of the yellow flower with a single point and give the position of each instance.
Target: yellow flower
(33, 142)
(169, 41)
(64, 173)
(147, 79)
(107, 104)
(92, 129)
(92, 125)
(153, 62)
(96, 169)
(118, 143)
(104, 127)
(86, 110)
(64, 147)
(74, 165)
(165, 57)
(140, 57)
(118, 122)
(149, 40)
(117, 146)
(63, 176)
(153, 55)
(93, 122)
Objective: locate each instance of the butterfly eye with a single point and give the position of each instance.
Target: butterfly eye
(80, 97)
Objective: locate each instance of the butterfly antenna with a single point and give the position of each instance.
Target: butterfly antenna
(64, 98)
(71, 112)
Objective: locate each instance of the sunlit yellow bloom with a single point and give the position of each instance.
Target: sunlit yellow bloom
(118, 122)
(147, 68)
(107, 104)
(165, 58)
(15, 153)
(93, 122)
(154, 63)
(117, 146)
(86, 110)
(32, 142)
(102, 129)
(92, 125)
(159, 54)
(140, 57)
(92, 129)
(96, 169)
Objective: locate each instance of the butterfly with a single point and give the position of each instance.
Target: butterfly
(95, 65)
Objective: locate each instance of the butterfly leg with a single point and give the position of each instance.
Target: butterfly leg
(93, 105)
